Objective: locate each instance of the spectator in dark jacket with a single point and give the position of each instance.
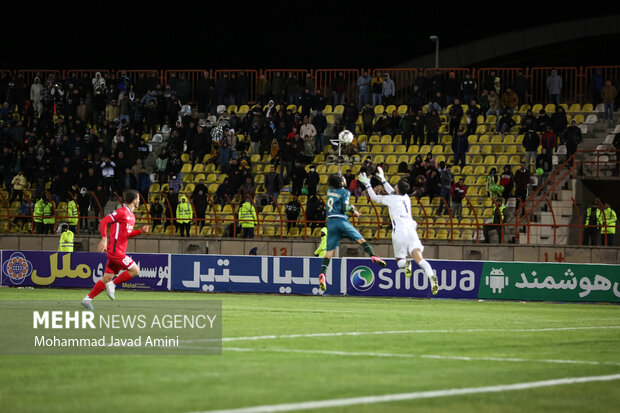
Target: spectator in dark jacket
(572, 138)
(460, 147)
(506, 179)
(531, 142)
(522, 180)
(559, 123)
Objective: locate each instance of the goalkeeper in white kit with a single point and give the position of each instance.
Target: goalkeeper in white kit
(405, 238)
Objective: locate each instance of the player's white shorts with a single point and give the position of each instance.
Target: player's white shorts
(404, 242)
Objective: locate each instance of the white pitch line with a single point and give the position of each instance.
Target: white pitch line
(428, 356)
(363, 333)
(352, 401)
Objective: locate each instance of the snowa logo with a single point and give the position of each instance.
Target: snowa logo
(17, 268)
(362, 278)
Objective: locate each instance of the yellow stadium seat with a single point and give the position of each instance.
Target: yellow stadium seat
(379, 109)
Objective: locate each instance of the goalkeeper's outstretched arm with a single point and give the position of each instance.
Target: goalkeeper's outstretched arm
(371, 193)
(388, 188)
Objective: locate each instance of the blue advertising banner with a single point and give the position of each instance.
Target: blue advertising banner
(78, 269)
(254, 274)
(457, 279)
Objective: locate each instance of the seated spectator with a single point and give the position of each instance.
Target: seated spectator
(418, 189)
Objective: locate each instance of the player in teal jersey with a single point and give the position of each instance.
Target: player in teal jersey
(338, 225)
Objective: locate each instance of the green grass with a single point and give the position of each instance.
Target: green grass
(271, 374)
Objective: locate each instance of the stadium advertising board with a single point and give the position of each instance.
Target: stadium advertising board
(531, 281)
(457, 279)
(253, 274)
(78, 269)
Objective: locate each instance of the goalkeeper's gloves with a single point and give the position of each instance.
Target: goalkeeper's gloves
(380, 174)
(364, 179)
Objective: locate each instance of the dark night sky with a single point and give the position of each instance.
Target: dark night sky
(234, 35)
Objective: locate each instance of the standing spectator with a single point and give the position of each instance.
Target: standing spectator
(543, 162)
(19, 184)
(339, 88)
(175, 184)
(522, 87)
(199, 200)
(83, 202)
(349, 116)
(446, 179)
(388, 90)
(38, 211)
(460, 147)
(572, 138)
(36, 95)
(469, 88)
(608, 95)
(522, 181)
(292, 88)
(156, 210)
(292, 210)
(273, 184)
(417, 99)
(616, 145)
(433, 185)
(559, 122)
(363, 86)
(497, 224)
(417, 128)
(542, 121)
(287, 157)
(457, 193)
(432, 121)
(531, 142)
(554, 87)
(107, 168)
(455, 115)
(548, 140)
(184, 215)
(591, 231)
(472, 113)
(304, 106)
(298, 177)
(507, 180)
(247, 218)
(483, 101)
(312, 180)
(607, 221)
(406, 127)
(320, 124)
(318, 102)
(377, 89)
(491, 183)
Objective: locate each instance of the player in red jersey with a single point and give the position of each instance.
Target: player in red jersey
(121, 224)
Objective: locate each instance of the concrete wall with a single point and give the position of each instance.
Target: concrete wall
(463, 251)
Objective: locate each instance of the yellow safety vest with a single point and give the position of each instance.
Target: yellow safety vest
(247, 215)
(608, 221)
(48, 214)
(38, 211)
(72, 213)
(184, 212)
(66, 241)
(598, 216)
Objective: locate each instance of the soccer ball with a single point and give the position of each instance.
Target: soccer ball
(345, 137)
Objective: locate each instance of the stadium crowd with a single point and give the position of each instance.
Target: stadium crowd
(82, 139)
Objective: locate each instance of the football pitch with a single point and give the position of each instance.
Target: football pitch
(344, 354)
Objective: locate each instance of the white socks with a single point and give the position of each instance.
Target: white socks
(428, 270)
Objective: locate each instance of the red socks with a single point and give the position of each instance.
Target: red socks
(122, 278)
(99, 286)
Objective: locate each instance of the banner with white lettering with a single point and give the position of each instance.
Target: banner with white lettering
(457, 279)
(253, 274)
(540, 281)
(78, 269)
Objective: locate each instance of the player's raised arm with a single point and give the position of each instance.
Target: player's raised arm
(388, 188)
(365, 180)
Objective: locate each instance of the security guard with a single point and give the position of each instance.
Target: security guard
(608, 225)
(66, 239)
(48, 217)
(38, 214)
(247, 217)
(499, 217)
(184, 215)
(72, 215)
(320, 251)
(591, 223)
